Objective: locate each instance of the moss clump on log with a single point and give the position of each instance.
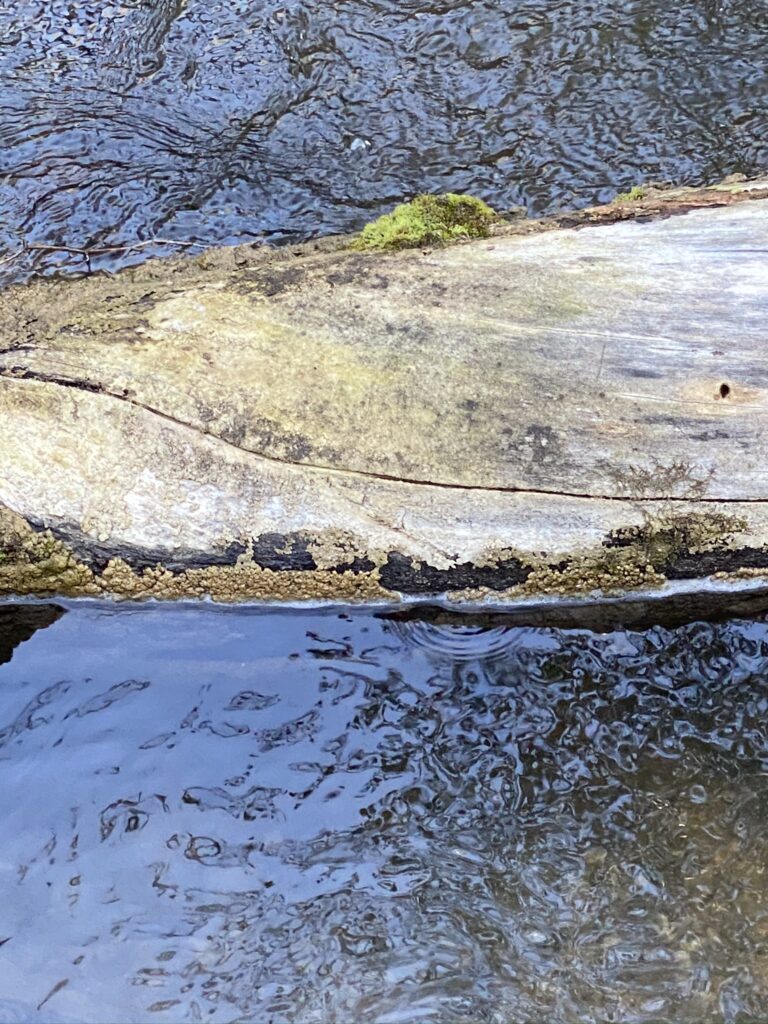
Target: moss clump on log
(635, 193)
(427, 220)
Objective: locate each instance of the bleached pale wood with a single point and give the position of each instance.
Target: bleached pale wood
(532, 393)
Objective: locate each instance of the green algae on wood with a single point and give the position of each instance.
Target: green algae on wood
(428, 220)
(663, 547)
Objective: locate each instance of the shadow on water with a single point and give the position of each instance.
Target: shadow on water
(223, 122)
(270, 816)
(18, 624)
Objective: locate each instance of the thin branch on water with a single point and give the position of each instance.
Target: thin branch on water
(95, 251)
(11, 256)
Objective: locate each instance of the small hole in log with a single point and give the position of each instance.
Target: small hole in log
(725, 390)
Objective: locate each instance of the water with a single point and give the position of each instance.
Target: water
(249, 816)
(223, 121)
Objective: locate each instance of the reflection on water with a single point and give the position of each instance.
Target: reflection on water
(229, 120)
(19, 623)
(325, 817)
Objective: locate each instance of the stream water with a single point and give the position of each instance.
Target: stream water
(277, 817)
(343, 817)
(221, 121)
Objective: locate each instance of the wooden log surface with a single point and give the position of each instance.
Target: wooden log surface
(574, 408)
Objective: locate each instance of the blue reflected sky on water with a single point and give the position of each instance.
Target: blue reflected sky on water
(224, 122)
(336, 816)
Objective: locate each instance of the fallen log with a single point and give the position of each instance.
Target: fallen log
(571, 410)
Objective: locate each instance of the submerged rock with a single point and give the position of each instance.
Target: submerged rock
(567, 408)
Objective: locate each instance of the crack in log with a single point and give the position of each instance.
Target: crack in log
(21, 373)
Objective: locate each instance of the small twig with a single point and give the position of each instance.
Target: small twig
(100, 250)
(11, 256)
(97, 250)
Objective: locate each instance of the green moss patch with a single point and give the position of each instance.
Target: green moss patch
(636, 192)
(428, 220)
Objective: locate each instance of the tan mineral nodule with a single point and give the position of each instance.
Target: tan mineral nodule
(568, 411)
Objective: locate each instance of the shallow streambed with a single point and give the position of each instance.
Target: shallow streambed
(273, 816)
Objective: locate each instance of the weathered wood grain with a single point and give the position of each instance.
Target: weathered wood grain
(507, 406)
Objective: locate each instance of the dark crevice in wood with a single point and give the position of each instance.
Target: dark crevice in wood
(22, 373)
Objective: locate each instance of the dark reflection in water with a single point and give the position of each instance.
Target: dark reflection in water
(332, 817)
(18, 624)
(231, 120)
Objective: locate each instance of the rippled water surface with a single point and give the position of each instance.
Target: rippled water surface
(234, 120)
(241, 816)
